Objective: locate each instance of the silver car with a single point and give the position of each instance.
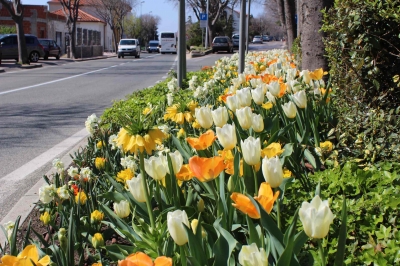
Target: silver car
(9, 47)
(257, 39)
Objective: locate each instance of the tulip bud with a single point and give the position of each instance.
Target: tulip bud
(122, 209)
(272, 171)
(251, 255)
(176, 222)
(45, 218)
(257, 123)
(232, 103)
(204, 117)
(96, 217)
(316, 217)
(300, 99)
(155, 168)
(194, 224)
(290, 109)
(97, 240)
(62, 237)
(81, 198)
(136, 188)
(251, 150)
(220, 116)
(200, 205)
(244, 116)
(227, 136)
(244, 97)
(258, 95)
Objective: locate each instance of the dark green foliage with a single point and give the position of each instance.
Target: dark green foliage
(362, 46)
(7, 29)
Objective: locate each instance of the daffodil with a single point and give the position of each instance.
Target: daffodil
(100, 162)
(124, 175)
(26, 257)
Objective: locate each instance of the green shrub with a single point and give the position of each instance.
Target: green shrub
(362, 49)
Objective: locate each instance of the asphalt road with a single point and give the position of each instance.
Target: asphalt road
(43, 110)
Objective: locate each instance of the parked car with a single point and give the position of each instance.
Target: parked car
(235, 40)
(129, 47)
(9, 47)
(257, 39)
(222, 43)
(51, 48)
(266, 38)
(153, 47)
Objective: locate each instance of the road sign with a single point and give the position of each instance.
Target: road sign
(203, 20)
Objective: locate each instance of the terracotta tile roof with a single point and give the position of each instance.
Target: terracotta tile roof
(82, 16)
(81, 2)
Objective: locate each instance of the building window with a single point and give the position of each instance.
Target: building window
(79, 36)
(85, 37)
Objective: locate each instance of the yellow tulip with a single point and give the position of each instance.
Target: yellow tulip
(26, 257)
(81, 198)
(97, 240)
(326, 146)
(272, 150)
(96, 216)
(45, 218)
(100, 163)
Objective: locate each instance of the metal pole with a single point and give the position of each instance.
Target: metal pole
(242, 37)
(247, 29)
(207, 26)
(181, 44)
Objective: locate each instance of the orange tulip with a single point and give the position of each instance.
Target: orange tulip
(136, 259)
(184, 174)
(206, 169)
(223, 97)
(163, 261)
(244, 204)
(203, 142)
(266, 197)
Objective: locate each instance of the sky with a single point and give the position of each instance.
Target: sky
(165, 9)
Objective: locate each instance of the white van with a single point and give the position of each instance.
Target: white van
(129, 47)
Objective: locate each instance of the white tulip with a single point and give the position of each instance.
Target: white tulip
(244, 97)
(258, 95)
(122, 209)
(257, 123)
(176, 222)
(244, 116)
(204, 117)
(227, 136)
(275, 88)
(316, 217)
(300, 99)
(220, 116)
(272, 171)
(155, 168)
(305, 74)
(232, 103)
(251, 255)
(136, 188)
(271, 97)
(176, 160)
(251, 150)
(290, 109)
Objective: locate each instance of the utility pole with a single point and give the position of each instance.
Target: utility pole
(181, 44)
(207, 26)
(242, 37)
(247, 28)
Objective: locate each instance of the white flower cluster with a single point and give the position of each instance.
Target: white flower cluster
(173, 85)
(85, 173)
(91, 123)
(193, 82)
(47, 193)
(112, 140)
(9, 227)
(58, 165)
(129, 162)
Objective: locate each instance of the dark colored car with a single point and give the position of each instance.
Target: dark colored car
(266, 38)
(153, 47)
(51, 48)
(9, 47)
(235, 40)
(222, 43)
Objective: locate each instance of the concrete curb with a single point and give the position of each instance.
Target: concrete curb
(26, 203)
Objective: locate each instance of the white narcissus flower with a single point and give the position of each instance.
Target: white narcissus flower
(257, 123)
(251, 255)
(244, 116)
(58, 164)
(244, 97)
(258, 95)
(176, 160)
(129, 162)
(63, 192)
(272, 171)
(122, 209)
(170, 99)
(220, 116)
(9, 227)
(204, 117)
(227, 136)
(85, 173)
(155, 168)
(300, 99)
(232, 103)
(73, 171)
(176, 222)
(46, 193)
(112, 141)
(251, 150)
(290, 109)
(91, 123)
(136, 188)
(316, 217)
(275, 88)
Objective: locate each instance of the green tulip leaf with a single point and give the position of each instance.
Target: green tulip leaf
(310, 158)
(253, 234)
(287, 257)
(224, 245)
(119, 252)
(342, 236)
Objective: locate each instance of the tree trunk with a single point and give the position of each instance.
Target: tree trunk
(281, 15)
(73, 41)
(22, 50)
(312, 46)
(289, 6)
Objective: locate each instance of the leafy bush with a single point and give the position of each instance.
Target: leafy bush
(362, 48)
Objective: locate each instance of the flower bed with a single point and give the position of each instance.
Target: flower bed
(226, 170)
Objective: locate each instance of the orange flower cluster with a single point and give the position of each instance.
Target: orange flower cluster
(266, 198)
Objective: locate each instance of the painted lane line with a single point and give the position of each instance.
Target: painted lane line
(55, 81)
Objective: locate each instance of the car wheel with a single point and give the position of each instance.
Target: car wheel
(34, 57)
(213, 51)
(162, 53)
(58, 56)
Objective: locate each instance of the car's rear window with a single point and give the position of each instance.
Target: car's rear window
(153, 44)
(127, 42)
(235, 37)
(220, 40)
(44, 42)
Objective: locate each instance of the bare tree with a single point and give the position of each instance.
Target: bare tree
(16, 9)
(113, 12)
(149, 26)
(71, 11)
